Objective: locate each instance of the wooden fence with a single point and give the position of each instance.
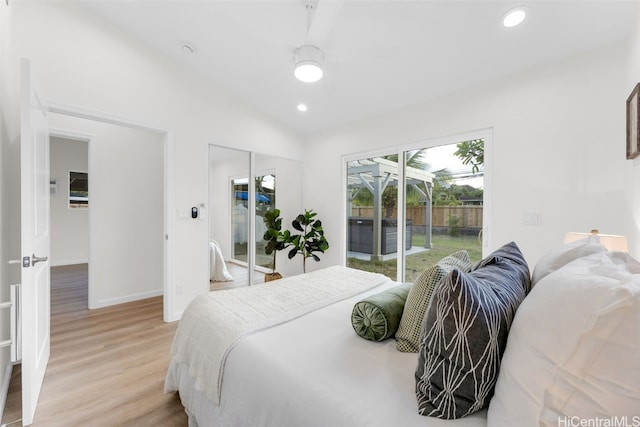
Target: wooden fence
(469, 216)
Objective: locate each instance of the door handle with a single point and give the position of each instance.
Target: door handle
(35, 259)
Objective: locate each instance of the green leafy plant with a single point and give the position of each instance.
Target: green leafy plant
(454, 226)
(310, 241)
(276, 239)
(471, 152)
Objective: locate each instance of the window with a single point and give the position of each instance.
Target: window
(265, 193)
(405, 216)
(372, 214)
(240, 218)
(78, 190)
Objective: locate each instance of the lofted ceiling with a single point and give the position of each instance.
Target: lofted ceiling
(381, 55)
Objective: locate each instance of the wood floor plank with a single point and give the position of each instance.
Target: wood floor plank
(107, 366)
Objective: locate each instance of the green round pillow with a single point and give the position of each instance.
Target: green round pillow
(377, 317)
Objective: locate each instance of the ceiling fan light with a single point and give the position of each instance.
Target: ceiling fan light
(308, 71)
(308, 64)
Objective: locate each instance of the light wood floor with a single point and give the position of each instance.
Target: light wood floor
(107, 366)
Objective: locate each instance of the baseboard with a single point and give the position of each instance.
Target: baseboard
(69, 262)
(175, 317)
(4, 387)
(128, 298)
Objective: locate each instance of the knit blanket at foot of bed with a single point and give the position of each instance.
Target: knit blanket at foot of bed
(213, 323)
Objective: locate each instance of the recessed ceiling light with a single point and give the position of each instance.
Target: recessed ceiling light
(514, 17)
(302, 107)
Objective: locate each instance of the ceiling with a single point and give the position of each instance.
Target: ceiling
(380, 55)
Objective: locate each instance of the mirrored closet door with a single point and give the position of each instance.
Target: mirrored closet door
(278, 185)
(243, 186)
(228, 217)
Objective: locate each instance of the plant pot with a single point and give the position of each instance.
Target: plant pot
(268, 277)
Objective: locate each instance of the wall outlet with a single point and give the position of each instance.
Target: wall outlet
(179, 290)
(531, 218)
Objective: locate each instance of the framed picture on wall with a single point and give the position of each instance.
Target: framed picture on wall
(633, 133)
(78, 190)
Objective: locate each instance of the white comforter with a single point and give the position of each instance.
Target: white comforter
(312, 371)
(213, 323)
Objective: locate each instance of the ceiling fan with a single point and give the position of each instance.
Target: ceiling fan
(309, 58)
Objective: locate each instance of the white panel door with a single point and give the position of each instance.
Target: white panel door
(35, 237)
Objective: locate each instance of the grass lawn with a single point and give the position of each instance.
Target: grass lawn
(442, 245)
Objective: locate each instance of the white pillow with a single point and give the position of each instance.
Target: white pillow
(564, 254)
(573, 351)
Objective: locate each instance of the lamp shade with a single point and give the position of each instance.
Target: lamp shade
(308, 64)
(610, 241)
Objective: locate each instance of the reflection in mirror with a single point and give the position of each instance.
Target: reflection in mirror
(228, 217)
(233, 219)
(265, 201)
(240, 219)
(278, 185)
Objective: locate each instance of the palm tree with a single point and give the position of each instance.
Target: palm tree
(471, 152)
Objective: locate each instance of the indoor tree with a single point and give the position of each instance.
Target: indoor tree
(311, 240)
(276, 239)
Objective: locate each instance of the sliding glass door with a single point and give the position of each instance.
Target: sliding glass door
(403, 216)
(240, 219)
(372, 214)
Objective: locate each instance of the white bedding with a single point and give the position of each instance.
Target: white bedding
(213, 323)
(217, 268)
(312, 371)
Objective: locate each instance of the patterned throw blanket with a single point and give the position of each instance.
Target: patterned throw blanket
(213, 323)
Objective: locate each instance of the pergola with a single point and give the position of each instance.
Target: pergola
(375, 175)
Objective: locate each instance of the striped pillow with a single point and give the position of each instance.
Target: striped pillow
(465, 334)
(408, 334)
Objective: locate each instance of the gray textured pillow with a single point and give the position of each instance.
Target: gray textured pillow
(467, 324)
(376, 318)
(408, 335)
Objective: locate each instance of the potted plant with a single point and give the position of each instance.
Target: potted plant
(276, 239)
(310, 241)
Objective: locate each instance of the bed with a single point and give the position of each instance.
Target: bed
(217, 267)
(311, 368)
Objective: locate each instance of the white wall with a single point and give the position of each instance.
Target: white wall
(87, 63)
(5, 33)
(558, 150)
(632, 167)
(125, 214)
(69, 227)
